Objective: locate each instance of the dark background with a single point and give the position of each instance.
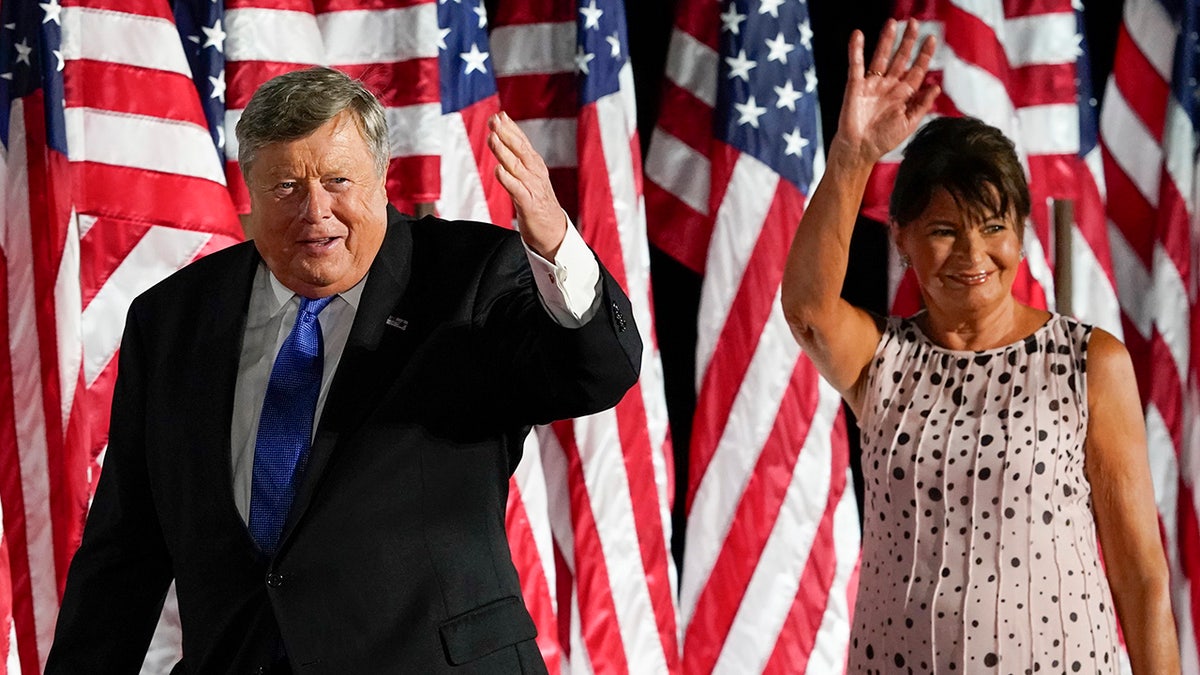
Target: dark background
(677, 289)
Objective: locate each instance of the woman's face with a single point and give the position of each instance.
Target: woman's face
(964, 264)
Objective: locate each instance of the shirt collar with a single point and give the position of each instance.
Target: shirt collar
(282, 294)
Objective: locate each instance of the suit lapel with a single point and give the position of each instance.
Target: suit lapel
(220, 335)
(361, 376)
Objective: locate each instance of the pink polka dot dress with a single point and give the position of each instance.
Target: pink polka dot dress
(979, 545)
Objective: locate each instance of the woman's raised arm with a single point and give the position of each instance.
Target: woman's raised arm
(883, 104)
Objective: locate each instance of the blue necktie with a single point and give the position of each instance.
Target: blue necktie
(285, 427)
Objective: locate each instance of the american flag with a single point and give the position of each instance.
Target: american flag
(79, 243)
(37, 426)
(1149, 128)
(1011, 64)
(563, 73)
(1091, 286)
(467, 89)
(469, 189)
(772, 539)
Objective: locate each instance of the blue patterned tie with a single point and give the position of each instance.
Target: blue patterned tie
(285, 427)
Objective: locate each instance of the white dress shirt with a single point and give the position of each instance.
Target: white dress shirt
(568, 288)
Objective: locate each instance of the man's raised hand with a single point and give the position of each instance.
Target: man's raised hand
(523, 173)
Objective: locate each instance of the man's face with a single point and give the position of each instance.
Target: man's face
(318, 208)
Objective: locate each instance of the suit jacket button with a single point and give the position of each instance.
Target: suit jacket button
(274, 580)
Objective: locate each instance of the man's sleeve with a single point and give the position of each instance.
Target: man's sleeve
(538, 370)
(568, 286)
(121, 572)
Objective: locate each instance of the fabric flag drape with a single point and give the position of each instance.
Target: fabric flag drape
(563, 73)
(467, 92)
(1149, 127)
(772, 545)
(1076, 173)
(93, 215)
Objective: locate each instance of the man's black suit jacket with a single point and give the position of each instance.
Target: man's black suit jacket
(394, 558)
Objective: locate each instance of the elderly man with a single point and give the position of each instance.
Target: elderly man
(312, 433)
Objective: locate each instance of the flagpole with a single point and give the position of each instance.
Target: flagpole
(1064, 217)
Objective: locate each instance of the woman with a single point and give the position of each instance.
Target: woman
(998, 440)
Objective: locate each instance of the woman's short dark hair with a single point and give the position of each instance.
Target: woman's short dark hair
(971, 160)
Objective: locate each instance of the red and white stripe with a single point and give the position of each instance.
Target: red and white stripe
(35, 421)
(1150, 163)
(768, 457)
(608, 475)
(9, 653)
(469, 189)
(391, 45)
(78, 246)
(772, 543)
(678, 171)
(1043, 46)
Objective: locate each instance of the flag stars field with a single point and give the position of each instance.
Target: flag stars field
(614, 41)
(740, 66)
(768, 83)
(787, 96)
(732, 21)
(582, 59)
(218, 86)
(750, 112)
(475, 60)
(779, 49)
(214, 36)
(795, 142)
(806, 34)
(23, 50)
(770, 7)
(591, 15)
(53, 11)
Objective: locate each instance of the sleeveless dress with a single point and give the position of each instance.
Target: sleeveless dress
(979, 546)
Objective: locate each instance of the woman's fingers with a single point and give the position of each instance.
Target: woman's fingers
(856, 55)
(922, 102)
(887, 38)
(900, 58)
(916, 74)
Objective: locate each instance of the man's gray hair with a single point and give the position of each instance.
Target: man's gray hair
(293, 105)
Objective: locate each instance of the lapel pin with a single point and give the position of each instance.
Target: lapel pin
(397, 322)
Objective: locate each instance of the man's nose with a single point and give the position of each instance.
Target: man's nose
(317, 204)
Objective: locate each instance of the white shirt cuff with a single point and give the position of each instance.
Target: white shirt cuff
(569, 287)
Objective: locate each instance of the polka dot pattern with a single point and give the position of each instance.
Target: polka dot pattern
(979, 546)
